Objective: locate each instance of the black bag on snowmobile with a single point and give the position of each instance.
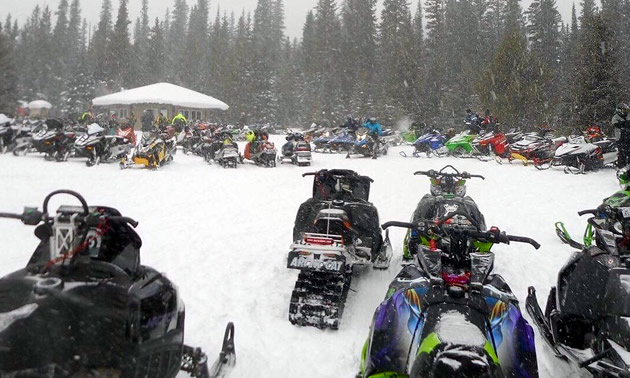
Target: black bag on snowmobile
(84, 304)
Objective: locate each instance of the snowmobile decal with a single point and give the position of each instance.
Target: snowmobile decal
(301, 262)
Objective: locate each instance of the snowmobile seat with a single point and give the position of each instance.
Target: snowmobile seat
(341, 184)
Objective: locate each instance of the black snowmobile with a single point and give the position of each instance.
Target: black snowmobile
(296, 150)
(448, 194)
(447, 315)
(336, 230)
(586, 318)
(84, 306)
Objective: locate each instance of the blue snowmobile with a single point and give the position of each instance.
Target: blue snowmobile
(446, 315)
(431, 143)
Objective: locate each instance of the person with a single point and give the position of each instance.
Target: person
(621, 121)
(473, 121)
(179, 121)
(489, 123)
(351, 125)
(418, 128)
(126, 130)
(87, 116)
(375, 131)
(147, 121)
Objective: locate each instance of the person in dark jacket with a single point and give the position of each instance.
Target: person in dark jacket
(621, 121)
(147, 121)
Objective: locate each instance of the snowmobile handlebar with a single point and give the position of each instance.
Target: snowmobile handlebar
(441, 173)
(32, 217)
(587, 212)
(494, 236)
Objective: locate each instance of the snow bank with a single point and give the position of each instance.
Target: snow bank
(163, 94)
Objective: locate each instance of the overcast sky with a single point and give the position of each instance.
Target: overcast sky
(295, 10)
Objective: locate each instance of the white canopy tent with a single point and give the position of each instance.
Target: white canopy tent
(39, 104)
(162, 94)
(165, 98)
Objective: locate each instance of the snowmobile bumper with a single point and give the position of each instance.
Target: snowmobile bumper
(318, 254)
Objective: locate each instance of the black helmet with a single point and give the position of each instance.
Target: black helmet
(468, 111)
(622, 110)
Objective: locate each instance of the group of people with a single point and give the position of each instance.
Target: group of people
(150, 122)
(374, 130)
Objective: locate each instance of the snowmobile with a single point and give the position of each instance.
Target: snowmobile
(496, 143)
(56, 142)
(227, 156)
(365, 146)
(585, 320)
(448, 194)
(260, 150)
(342, 142)
(336, 230)
(152, 152)
(97, 147)
(447, 315)
(296, 151)
(392, 137)
(537, 148)
(24, 136)
(578, 156)
(431, 143)
(321, 142)
(91, 145)
(461, 145)
(84, 306)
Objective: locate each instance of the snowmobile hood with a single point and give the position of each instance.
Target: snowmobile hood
(94, 128)
(49, 320)
(575, 149)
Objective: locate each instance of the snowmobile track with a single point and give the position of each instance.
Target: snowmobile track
(318, 299)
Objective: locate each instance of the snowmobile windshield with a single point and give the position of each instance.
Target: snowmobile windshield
(618, 293)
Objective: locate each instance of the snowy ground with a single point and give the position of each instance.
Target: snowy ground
(223, 235)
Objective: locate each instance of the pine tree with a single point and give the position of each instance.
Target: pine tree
(175, 45)
(511, 85)
(100, 57)
(8, 75)
(598, 87)
(120, 49)
(359, 47)
(398, 63)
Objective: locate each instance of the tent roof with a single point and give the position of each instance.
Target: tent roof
(39, 104)
(163, 94)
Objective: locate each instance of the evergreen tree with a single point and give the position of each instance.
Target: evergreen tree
(8, 75)
(120, 49)
(511, 85)
(598, 76)
(100, 57)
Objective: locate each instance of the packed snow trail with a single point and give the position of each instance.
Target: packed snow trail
(223, 236)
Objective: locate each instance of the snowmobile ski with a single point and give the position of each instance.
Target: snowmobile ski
(227, 358)
(564, 235)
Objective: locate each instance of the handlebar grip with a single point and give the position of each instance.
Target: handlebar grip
(132, 222)
(309, 174)
(585, 212)
(11, 216)
(425, 173)
(521, 239)
(386, 225)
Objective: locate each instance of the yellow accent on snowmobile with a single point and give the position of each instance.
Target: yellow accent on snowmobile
(520, 157)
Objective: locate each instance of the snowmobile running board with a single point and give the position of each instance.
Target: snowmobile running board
(195, 361)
